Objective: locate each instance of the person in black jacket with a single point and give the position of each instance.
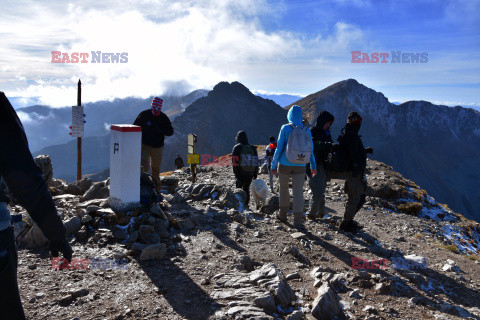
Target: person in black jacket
(322, 146)
(155, 126)
(245, 163)
(355, 184)
(179, 162)
(25, 181)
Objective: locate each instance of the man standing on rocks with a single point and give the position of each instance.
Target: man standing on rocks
(25, 181)
(322, 146)
(155, 126)
(179, 162)
(351, 146)
(244, 163)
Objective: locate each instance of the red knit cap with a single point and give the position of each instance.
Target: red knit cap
(157, 105)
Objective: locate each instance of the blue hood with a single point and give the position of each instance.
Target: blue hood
(295, 115)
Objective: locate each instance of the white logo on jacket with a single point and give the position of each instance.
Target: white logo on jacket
(259, 191)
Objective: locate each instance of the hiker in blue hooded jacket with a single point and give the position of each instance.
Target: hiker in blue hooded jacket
(287, 168)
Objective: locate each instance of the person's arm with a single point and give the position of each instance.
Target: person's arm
(281, 142)
(313, 163)
(139, 121)
(257, 162)
(25, 179)
(167, 128)
(236, 153)
(354, 154)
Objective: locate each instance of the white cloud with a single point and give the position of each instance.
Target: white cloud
(29, 118)
(202, 42)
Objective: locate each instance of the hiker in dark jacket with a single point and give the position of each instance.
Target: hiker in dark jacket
(269, 152)
(355, 184)
(322, 146)
(155, 126)
(25, 181)
(179, 162)
(245, 163)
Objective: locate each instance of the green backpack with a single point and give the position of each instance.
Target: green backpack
(248, 159)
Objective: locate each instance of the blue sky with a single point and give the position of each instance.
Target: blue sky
(297, 47)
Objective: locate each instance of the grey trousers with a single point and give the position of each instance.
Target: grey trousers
(298, 179)
(356, 190)
(318, 184)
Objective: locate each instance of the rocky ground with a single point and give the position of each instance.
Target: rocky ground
(197, 256)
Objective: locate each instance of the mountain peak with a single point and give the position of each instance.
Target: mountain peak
(234, 89)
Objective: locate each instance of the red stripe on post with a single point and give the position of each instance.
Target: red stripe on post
(126, 128)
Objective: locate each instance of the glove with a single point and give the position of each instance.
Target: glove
(369, 150)
(63, 247)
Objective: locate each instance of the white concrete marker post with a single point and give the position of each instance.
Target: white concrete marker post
(125, 155)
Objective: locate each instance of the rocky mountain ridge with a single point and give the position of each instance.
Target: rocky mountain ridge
(198, 255)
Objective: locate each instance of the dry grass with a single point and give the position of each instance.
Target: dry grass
(473, 257)
(451, 247)
(412, 208)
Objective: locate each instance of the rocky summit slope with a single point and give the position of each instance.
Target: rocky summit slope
(197, 255)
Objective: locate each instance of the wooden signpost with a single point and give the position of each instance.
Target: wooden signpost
(192, 158)
(77, 128)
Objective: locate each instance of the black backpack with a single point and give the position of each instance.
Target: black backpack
(338, 161)
(148, 190)
(248, 161)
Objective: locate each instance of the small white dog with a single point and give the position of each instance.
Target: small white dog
(259, 191)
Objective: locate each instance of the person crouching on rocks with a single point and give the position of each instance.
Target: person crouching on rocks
(294, 150)
(244, 163)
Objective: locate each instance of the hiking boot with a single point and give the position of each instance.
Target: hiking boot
(284, 220)
(347, 226)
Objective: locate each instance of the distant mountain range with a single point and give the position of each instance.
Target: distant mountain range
(47, 126)
(436, 146)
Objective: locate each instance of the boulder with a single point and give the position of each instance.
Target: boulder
(45, 163)
(98, 190)
(271, 205)
(34, 238)
(72, 226)
(153, 252)
(147, 234)
(326, 305)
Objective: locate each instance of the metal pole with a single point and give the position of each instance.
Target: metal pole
(79, 139)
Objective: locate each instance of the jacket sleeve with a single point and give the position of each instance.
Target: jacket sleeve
(257, 167)
(139, 121)
(353, 152)
(282, 141)
(167, 128)
(24, 178)
(313, 164)
(236, 152)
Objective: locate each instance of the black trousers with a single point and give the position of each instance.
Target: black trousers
(10, 303)
(244, 181)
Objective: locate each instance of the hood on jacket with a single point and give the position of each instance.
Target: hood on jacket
(241, 137)
(295, 115)
(323, 117)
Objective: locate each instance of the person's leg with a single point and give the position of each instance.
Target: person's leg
(314, 184)
(247, 181)
(353, 187)
(145, 158)
(298, 180)
(10, 302)
(270, 177)
(284, 201)
(156, 154)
